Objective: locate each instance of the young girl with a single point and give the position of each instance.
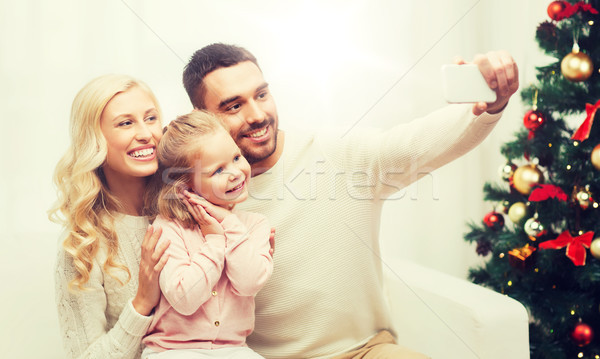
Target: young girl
(108, 264)
(218, 259)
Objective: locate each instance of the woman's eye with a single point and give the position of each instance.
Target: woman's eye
(125, 123)
(151, 118)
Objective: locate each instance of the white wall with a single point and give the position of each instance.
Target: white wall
(375, 63)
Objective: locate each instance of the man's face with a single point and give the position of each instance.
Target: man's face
(240, 96)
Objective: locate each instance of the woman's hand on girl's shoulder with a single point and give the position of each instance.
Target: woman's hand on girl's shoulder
(152, 262)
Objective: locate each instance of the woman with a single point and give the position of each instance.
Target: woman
(108, 266)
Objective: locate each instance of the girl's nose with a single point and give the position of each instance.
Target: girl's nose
(235, 173)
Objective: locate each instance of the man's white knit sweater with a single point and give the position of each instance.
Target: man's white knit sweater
(324, 198)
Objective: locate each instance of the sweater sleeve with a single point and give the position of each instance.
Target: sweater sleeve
(248, 261)
(380, 163)
(83, 321)
(192, 270)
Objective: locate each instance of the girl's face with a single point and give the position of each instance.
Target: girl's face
(132, 129)
(220, 171)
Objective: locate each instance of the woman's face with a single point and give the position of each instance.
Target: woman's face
(132, 129)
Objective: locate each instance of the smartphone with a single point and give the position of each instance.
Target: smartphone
(465, 84)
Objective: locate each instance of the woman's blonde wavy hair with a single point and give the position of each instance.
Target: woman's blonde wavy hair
(180, 144)
(85, 205)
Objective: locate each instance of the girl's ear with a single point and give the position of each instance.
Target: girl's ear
(185, 186)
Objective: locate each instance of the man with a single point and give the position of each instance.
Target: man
(323, 194)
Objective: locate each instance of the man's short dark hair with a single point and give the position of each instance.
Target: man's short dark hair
(207, 60)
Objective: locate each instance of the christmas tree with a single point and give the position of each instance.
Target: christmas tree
(547, 253)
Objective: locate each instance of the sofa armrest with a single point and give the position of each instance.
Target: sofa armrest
(447, 317)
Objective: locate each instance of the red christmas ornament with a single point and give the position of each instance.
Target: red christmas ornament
(494, 220)
(582, 334)
(583, 132)
(546, 191)
(555, 8)
(533, 120)
(575, 245)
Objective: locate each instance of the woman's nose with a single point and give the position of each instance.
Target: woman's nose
(143, 133)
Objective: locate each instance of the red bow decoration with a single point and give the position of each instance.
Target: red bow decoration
(575, 245)
(545, 191)
(583, 132)
(571, 10)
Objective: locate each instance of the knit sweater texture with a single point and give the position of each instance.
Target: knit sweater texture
(324, 197)
(100, 321)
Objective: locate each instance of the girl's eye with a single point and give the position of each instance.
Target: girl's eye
(151, 118)
(236, 158)
(218, 171)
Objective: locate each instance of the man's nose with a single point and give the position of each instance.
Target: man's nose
(254, 113)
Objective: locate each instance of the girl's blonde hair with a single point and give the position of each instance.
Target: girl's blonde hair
(177, 150)
(85, 205)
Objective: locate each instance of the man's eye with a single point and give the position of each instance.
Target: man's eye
(234, 107)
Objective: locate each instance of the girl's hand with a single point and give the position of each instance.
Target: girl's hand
(206, 221)
(219, 213)
(151, 264)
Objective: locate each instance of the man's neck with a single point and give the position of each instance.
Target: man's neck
(268, 163)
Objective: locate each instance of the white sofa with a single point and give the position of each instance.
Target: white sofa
(434, 313)
(450, 318)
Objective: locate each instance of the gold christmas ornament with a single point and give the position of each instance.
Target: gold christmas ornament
(595, 248)
(576, 66)
(517, 212)
(527, 176)
(595, 157)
